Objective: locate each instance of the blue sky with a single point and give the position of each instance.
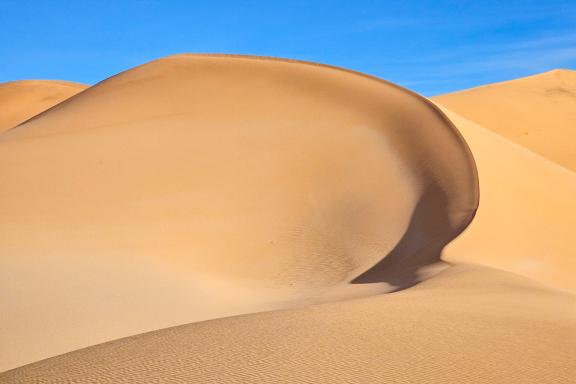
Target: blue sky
(431, 47)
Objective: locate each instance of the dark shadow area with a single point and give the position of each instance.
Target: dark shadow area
(428, 232)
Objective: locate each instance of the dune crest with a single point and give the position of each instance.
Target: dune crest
(203, 178)
(537, 112)
(21, 100)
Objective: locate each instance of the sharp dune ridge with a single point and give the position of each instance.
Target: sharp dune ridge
(274, 205)
(159, 184)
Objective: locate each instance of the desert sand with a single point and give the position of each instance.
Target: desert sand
(526, 162)
(527, 212)
(21, 100)
(263, 182)
(465, 325)
(537, 112)
(197, 188)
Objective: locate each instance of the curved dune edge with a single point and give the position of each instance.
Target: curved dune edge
(527, 214)
(537, 112)
(467, 324)
(23, 99)
(139, 172)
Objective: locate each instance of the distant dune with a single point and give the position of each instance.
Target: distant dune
(21, 100)
(527, 214)
(537, 112)
(300, 219)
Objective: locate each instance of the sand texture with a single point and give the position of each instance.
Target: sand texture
(203, 181)
(466, 325)
(21, 100)
(307, 224)
(537, 112)
(527, 214)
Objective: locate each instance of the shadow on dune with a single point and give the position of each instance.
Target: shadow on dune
(428, 232)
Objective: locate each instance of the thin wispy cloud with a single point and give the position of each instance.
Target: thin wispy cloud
(497, 61)
(431, 46)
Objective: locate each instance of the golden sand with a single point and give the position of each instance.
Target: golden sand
(194, 189)
(21, 100)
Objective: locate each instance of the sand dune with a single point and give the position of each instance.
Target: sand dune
(196, 187)
(537, 112)
(465, 325)
(20, 100)
(297, 196)
(527, 214)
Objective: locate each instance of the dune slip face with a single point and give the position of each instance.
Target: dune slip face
(203, 186)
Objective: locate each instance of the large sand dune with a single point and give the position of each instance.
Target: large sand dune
(200, 187)
(537, 112)
(195, 187)
(465, 325)
(21, 100)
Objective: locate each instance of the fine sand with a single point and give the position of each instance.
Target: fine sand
(537, 112)
(194, 188)
(21, 100)
(526, 166)
(466, 325)
(527, 214)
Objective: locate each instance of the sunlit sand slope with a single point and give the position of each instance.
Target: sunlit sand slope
(465, 325)
(537, 112)
(196, 187)
(527, 214)
(20, 100)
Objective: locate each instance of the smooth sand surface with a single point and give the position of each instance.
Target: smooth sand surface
(465, 325)
(21, 100)
(537, 112)
(200, 187)
(527, 214)
(197, 187)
